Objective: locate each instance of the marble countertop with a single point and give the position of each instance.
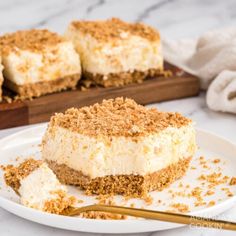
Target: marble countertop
(175, 19)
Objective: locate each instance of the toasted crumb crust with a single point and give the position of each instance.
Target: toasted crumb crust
(113, 28)
(13, 175)
(116, 117)
(120, 79)
(33, 40)
(128, 185)
(44, 87)
(1, 89)
(180, 207)
(102, 215)
(57, 205)
(233, 181)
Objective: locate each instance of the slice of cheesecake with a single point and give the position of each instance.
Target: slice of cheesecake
(119, 147)
(38, 62)
(38, 186)
(114, 52)
(1, 78)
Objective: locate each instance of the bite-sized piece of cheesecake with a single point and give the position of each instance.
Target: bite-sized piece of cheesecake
(38, 62)
(114, 52)
(38, 186)
(1, 78)
(119, 147)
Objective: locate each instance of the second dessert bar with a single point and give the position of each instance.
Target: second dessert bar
(115, 53)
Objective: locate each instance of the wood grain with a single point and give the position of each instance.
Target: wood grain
(13, 114)
(153, 90)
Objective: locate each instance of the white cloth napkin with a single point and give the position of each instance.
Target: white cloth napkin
(212, 58)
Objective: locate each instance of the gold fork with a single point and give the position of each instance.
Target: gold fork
(155, 215)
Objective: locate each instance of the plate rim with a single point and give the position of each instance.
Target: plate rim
(39, 214)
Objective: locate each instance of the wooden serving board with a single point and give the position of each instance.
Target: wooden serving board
(17, 113)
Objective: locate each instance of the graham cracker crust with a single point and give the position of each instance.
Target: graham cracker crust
(120, 79)
(1, 81)
(128, 185)
(44, 87)
(15, 174)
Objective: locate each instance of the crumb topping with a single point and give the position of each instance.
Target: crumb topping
(102, 215)
(13, 175)
(33, 40)
(211, 203)
(215, 161)
(233, 181)
(105, 200)
(227, 192)
(60, 203)
(214, 179)
(115, 28)
(180, 207)
(117, 117)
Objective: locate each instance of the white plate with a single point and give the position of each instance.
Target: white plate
(26, 142)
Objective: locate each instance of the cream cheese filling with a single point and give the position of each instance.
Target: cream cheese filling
(23, 67)
(123, 156)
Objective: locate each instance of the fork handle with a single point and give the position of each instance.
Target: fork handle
(158, 215)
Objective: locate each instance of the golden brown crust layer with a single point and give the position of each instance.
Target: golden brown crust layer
(57, 205)
(116, 117)
(120, 79)
(13, 175)
(45, 87)
(1, 89)
(112, 29)
(33, 40)
(128, 185)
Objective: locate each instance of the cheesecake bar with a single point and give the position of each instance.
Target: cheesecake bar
(119, 147)
(114, 53)
(38, 62)
(1, 78)
(38, 186)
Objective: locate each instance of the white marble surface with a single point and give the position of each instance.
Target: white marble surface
(175, 19)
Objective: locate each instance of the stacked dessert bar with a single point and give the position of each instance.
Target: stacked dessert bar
(105, 53)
